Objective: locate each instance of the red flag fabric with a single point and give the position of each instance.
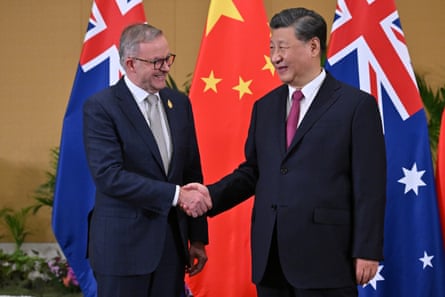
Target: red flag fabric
(232, 71)
(440, 178)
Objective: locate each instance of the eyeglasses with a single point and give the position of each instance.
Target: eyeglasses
(158, 63)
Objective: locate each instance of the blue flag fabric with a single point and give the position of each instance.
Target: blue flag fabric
(98, 68)
(367, 49)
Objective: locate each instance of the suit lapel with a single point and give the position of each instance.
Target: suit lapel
(280, 118)
(323, 100)
(131, 110)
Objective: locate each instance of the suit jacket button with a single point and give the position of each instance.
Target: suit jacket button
(283, 170)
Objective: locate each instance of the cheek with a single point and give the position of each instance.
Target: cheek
(300, 59)
(293, 57)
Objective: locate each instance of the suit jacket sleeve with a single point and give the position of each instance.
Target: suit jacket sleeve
(198, 231)
(114, 171)
(368, 181)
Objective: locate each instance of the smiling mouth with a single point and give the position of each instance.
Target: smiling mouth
(281, 69)
(160, 76)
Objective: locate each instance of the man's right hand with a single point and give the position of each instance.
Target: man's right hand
(194, 199)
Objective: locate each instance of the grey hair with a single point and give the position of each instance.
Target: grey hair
(134, 35)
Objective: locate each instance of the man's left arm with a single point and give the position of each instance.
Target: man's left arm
(198, 258)
(198, 227)
(369, 186)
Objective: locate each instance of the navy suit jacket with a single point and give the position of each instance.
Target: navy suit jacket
(325, 194)
(133, 193)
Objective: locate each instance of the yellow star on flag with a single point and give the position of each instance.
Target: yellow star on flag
(221, 120)
(243, 87)
(219, 8)
(268, 65)
(211, 82)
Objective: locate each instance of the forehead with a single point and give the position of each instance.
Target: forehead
(156, 47)
(283, 35)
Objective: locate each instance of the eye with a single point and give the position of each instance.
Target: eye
(155, 61)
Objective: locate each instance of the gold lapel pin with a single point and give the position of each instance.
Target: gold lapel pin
(170, 104)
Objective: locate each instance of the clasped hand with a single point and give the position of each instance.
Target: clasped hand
(194, 199)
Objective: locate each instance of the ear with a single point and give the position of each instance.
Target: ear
(314, 44)
(129, 64)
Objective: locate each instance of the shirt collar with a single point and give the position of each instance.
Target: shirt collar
(138, 93)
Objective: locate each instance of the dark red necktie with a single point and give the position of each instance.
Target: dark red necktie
(292, 119)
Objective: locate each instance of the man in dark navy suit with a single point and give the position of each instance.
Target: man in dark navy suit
(320, 183)
(141, 147)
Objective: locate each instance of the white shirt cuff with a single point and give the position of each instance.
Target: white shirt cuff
(175, 199)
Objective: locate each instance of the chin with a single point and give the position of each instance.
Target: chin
(286, 81)
(160, 86)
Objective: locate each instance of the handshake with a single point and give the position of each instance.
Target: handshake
(194, 199)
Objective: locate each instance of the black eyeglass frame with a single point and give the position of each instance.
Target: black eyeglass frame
(158, 63)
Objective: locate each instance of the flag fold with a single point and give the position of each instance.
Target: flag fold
(367, 49)
(232, 71)
(98, 68)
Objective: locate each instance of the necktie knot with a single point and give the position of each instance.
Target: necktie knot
(297, 96)
(152, 99)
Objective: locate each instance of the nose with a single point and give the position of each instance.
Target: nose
(165, 66)
(275, 57)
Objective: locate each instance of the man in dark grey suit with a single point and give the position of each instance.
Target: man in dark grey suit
(139, 154)
(318, 214)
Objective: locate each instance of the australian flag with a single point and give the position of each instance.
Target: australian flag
(98, 68)
(368, 50)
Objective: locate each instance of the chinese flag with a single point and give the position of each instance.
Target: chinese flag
(233, 70)
(440, 171)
